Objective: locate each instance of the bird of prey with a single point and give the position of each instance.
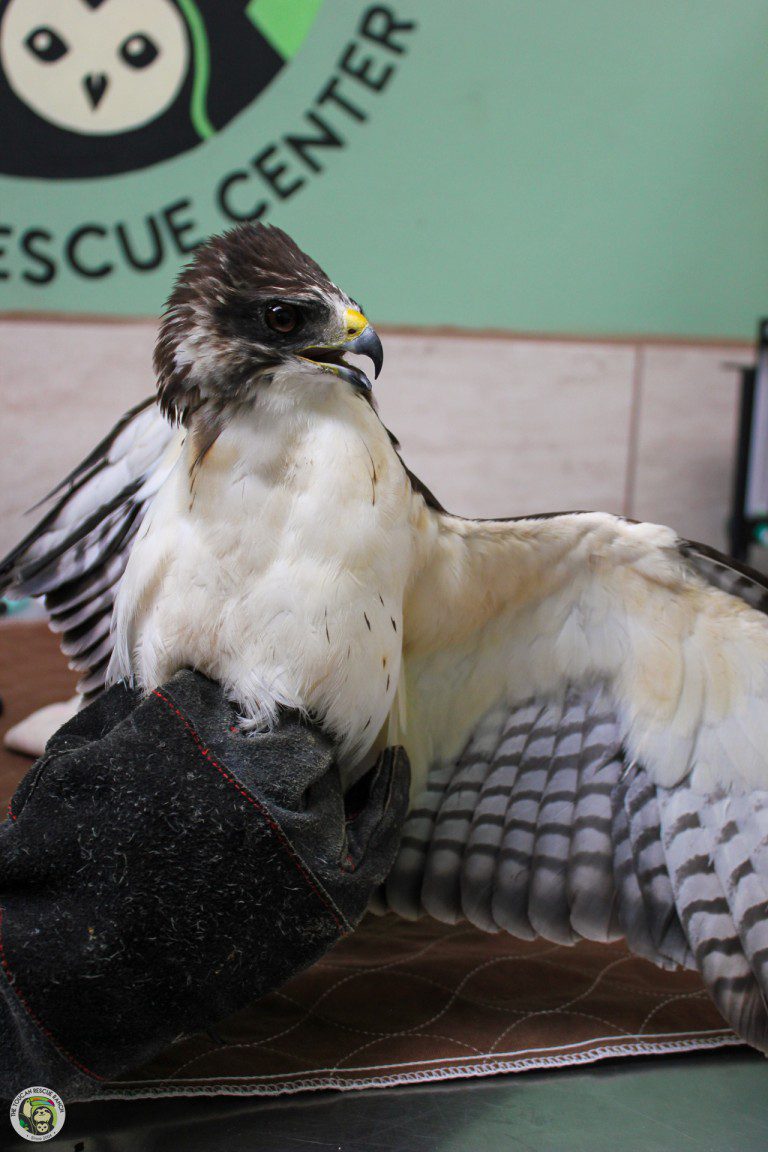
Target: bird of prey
(584, 699)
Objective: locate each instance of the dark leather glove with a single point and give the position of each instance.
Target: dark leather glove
(159, 869)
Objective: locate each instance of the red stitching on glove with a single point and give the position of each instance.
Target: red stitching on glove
(11, 812)
(281, 837)
(24, 1003)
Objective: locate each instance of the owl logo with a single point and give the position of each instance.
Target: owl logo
(97, 87)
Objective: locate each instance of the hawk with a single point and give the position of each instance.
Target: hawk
(584, 699)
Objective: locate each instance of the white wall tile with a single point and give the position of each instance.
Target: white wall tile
(687, 437)
(496, 427)
(504, 428)
(62, 387)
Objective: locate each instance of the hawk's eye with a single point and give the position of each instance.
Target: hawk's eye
(138, 50)
(283, 318)
(46, 44)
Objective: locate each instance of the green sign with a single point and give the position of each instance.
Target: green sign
(586, 168)
(134, 128)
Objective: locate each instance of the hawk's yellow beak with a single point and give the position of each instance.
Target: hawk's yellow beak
(359, 337)
(355, 323)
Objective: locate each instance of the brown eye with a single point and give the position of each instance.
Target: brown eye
(283, 318)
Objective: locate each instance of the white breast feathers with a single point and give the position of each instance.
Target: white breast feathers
(279, 566)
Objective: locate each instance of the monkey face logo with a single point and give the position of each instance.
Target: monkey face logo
(37, 1114)
(42, 1119)
(96, 87)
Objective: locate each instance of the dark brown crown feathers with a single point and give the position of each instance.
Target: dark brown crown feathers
(213, 294)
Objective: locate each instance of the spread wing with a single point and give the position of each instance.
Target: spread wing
(75, 555)
(586, 704)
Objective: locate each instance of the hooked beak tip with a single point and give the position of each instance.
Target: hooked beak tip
(368, 344)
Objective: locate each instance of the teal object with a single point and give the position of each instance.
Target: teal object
(14, 607)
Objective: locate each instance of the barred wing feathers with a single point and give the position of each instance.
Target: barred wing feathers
(76, 554)
(588, 734)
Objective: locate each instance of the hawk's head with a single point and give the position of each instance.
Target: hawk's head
(249, 308)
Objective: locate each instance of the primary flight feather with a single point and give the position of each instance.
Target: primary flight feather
(584, 699)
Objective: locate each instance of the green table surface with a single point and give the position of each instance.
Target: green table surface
(715, 1102)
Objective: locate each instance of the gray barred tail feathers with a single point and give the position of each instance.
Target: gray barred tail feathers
(640, 800)
(518, 835)
(589, 882)
(715, 852)
(76, 554)
(543, 829)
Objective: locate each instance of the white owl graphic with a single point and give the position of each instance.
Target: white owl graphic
(95, 67)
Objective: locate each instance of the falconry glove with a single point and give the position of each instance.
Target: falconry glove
(158, 869)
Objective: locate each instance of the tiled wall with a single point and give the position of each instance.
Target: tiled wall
(496, 427)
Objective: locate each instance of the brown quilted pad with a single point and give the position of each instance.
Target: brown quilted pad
(400, 1002)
